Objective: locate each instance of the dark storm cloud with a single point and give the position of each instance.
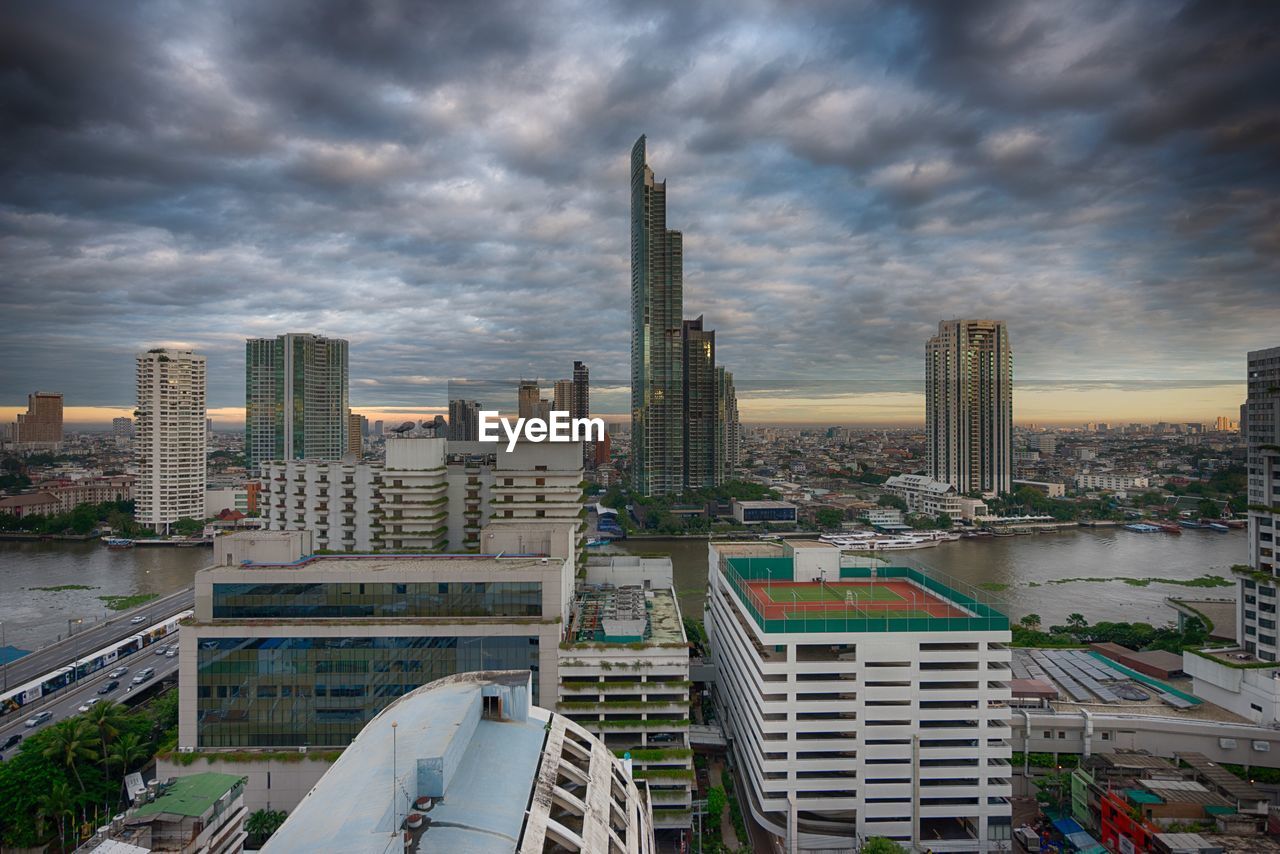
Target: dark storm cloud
(445, 184)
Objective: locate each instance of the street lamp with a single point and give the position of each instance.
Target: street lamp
(75, 658)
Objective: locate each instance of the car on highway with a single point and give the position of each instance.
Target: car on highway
(160, 649)
(138, 619)
(38, 718)
(109, 687)
(14, 739)
(90, 703)
(117, 673)
(143, 675)
(171, 652)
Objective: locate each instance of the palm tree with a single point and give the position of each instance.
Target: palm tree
(129, 750)
(55, 805)
(106, 718)
(71, 741)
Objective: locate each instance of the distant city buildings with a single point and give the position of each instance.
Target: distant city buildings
(122, 428)
(40, 427)
(529, 399)
(728, 433)
(169, 437)
(296, 398)
(355, 434)
(678, 440)
(464, 420)
(969, 405)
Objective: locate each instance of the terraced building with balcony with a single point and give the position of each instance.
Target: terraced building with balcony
(624, 677)
(428, 495)
(861, 701)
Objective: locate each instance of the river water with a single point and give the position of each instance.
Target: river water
(1041, 559)
(33, 618)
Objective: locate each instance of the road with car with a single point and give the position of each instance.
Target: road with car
(118, 684)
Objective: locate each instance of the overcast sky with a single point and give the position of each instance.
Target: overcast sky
(446, 186)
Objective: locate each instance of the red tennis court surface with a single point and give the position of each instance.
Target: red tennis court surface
(884, 599)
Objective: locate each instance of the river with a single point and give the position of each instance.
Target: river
(1041, 559)
(33, 617)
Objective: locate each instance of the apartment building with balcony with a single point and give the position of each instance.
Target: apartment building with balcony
(624, 677)
(428, 494)
(169, 437)
(861, 701)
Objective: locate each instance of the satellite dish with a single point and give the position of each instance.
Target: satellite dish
(404, 428)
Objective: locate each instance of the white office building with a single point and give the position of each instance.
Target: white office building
(861, 703)
(169, 437)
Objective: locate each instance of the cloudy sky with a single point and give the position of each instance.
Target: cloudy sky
(446, 185)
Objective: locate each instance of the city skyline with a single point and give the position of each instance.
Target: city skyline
(1101, 179)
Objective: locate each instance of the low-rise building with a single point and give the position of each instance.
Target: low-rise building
(196, 814)
(1052, 490)
(1111, 480)
(925, 495)
(761, 512)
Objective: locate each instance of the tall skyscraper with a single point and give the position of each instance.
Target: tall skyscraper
(122, 428)
(377, 427)
(726, 425)
(295, 398)
(464, 420)
(580, 401)
(169, 438)
(700, 405)
(1256, 602)
(657, 366)
(562, 400)
(528, 398)
(969, 405)
(41, 425)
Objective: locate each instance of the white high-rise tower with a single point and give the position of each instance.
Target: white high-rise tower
(169, 437)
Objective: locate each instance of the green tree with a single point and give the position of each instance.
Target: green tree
(944, 522)
(1031, 621)
(828, 517)
(55, 806)
(888, 500)
(880, 845)
(127, 751)
(106, 719)
(71, 742)
(262, 823)
(1209, 509)
(716, 800)
(1076, 621)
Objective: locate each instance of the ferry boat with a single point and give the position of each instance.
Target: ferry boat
(1219, 527)
(118, 542)
(1142, 528)
(1168, 527)
(1189, 523)
(868, 542)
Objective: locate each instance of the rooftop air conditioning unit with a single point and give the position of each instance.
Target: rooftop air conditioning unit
(186, 750)
(302, 749)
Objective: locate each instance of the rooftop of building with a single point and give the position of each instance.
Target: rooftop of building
(855, 598)
(764, 503)
(342, 563)
(464, 763)
(606, 614)
(191, 796)
(1088, 680)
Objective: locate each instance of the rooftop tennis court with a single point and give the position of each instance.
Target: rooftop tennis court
(865, 599)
